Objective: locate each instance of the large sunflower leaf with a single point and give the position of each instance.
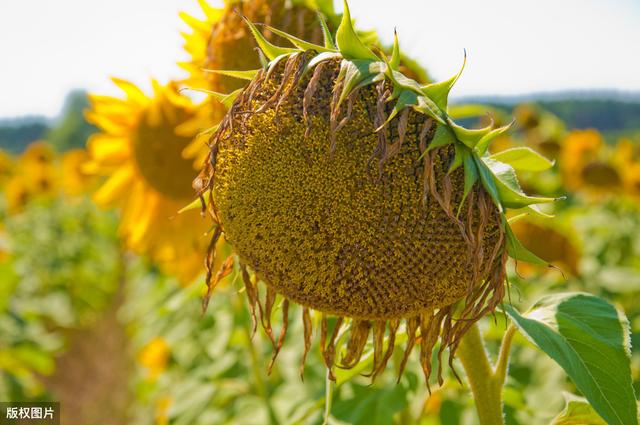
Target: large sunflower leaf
(523, 158)
(348, 41)
(589, 339)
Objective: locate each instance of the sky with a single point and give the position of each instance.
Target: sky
(513, 47)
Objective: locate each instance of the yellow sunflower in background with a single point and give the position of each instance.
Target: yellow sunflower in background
(222, 40)
(551, 243)
(582, 164)
(33, 177)
(74, 178)
(7, 163)
(140, 149)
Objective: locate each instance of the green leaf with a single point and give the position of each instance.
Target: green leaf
(356, 72)
(326, 33)
(589, 339)
(242, 75)
(270, 50)
(509, 191)
(348, 41)
(523, 158)
(196, 204)
(226, 99)
(470, 174)
(442, 137)
(405, 98)
(517, 251)
(459, 151)
(439, 92)
(488, 181)
(372, 406)
(470, 137)
(485, 141)
(299, 43)
(395, 53)
(577, 411)
(427, 107)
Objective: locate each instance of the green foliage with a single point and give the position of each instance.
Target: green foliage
(66, 259)
(588, 338)
(577, 411)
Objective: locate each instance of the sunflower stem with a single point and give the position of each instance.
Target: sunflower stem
(486, 385)
(328, 400)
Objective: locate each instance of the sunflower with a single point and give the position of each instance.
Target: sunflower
(33, 177)
(7, 164)
(549, 243)
(582, 163)
(346, 187)
(140, 149)
(222, 41)
(154, 357)
(74, 179)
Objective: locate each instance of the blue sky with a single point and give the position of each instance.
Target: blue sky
(514, 47)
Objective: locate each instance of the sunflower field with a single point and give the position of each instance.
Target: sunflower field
(302, 229)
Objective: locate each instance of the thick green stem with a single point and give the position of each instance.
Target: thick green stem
(486, 386)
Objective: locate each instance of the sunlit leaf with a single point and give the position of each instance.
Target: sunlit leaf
(589, 339)
(270, 50)
(577, 411)
(348, 41)
(241, 75)
(523, 158)
(439, 92)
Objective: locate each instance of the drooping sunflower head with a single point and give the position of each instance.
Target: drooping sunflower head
(141, 148)
(346, 187)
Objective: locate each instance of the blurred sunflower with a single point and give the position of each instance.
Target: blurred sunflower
(17, 194)
(222, 41)
(33, 177)
(74, 179)
(549, 243)
(154, 357)
(140, 149)
(582, 164)
(7, 164)
(39, 152)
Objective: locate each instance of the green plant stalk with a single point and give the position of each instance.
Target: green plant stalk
(486, 382)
